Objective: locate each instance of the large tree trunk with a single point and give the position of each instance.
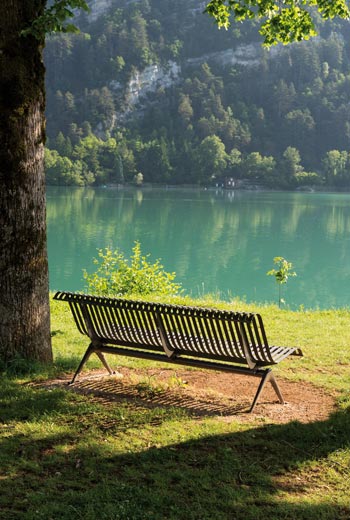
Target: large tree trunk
(24, 296)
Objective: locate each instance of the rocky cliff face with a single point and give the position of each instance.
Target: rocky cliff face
(98, 8)
(246, 55)
(150, 79)
(153, 77)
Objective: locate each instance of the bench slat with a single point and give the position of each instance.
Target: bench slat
(78, 318)
(263, 346)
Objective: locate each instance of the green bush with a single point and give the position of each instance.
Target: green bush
(118, 276)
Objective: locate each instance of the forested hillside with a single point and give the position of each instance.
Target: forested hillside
(152, 91)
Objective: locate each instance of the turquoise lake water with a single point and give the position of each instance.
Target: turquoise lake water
(216, 241)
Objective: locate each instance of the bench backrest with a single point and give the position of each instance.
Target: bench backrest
(175, 329)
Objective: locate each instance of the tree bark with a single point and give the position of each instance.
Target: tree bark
(24, 290)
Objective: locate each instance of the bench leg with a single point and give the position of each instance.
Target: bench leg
(90, 350)
(104, 362)
(268, 376)
(276, 388)
(86, 356)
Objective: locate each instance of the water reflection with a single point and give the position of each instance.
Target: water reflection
(214, 240)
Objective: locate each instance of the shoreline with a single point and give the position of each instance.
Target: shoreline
(194, 187)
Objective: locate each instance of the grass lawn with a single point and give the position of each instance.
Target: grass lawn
(65, 455)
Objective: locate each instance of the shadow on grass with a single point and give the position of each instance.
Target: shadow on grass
(20, 367)
(63, 456)
(107, 390)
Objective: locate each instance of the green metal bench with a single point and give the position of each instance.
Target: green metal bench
(183, 335)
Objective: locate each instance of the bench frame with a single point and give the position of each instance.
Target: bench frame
(182, 335)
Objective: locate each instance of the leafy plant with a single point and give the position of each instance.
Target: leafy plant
(119, 276)
(281, 274)
(54, 18)
(149, 388)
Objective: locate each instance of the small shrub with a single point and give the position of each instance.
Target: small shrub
(281, 274)
(119, 276)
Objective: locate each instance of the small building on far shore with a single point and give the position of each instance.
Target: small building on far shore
(229, 183)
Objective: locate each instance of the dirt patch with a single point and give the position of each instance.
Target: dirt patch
(206, 393)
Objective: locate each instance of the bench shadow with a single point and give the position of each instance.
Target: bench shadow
(109, 390)
(200, 394)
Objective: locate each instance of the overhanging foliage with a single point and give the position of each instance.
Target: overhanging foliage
(282, 22)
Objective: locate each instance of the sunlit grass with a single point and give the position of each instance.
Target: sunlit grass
(65, 455)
